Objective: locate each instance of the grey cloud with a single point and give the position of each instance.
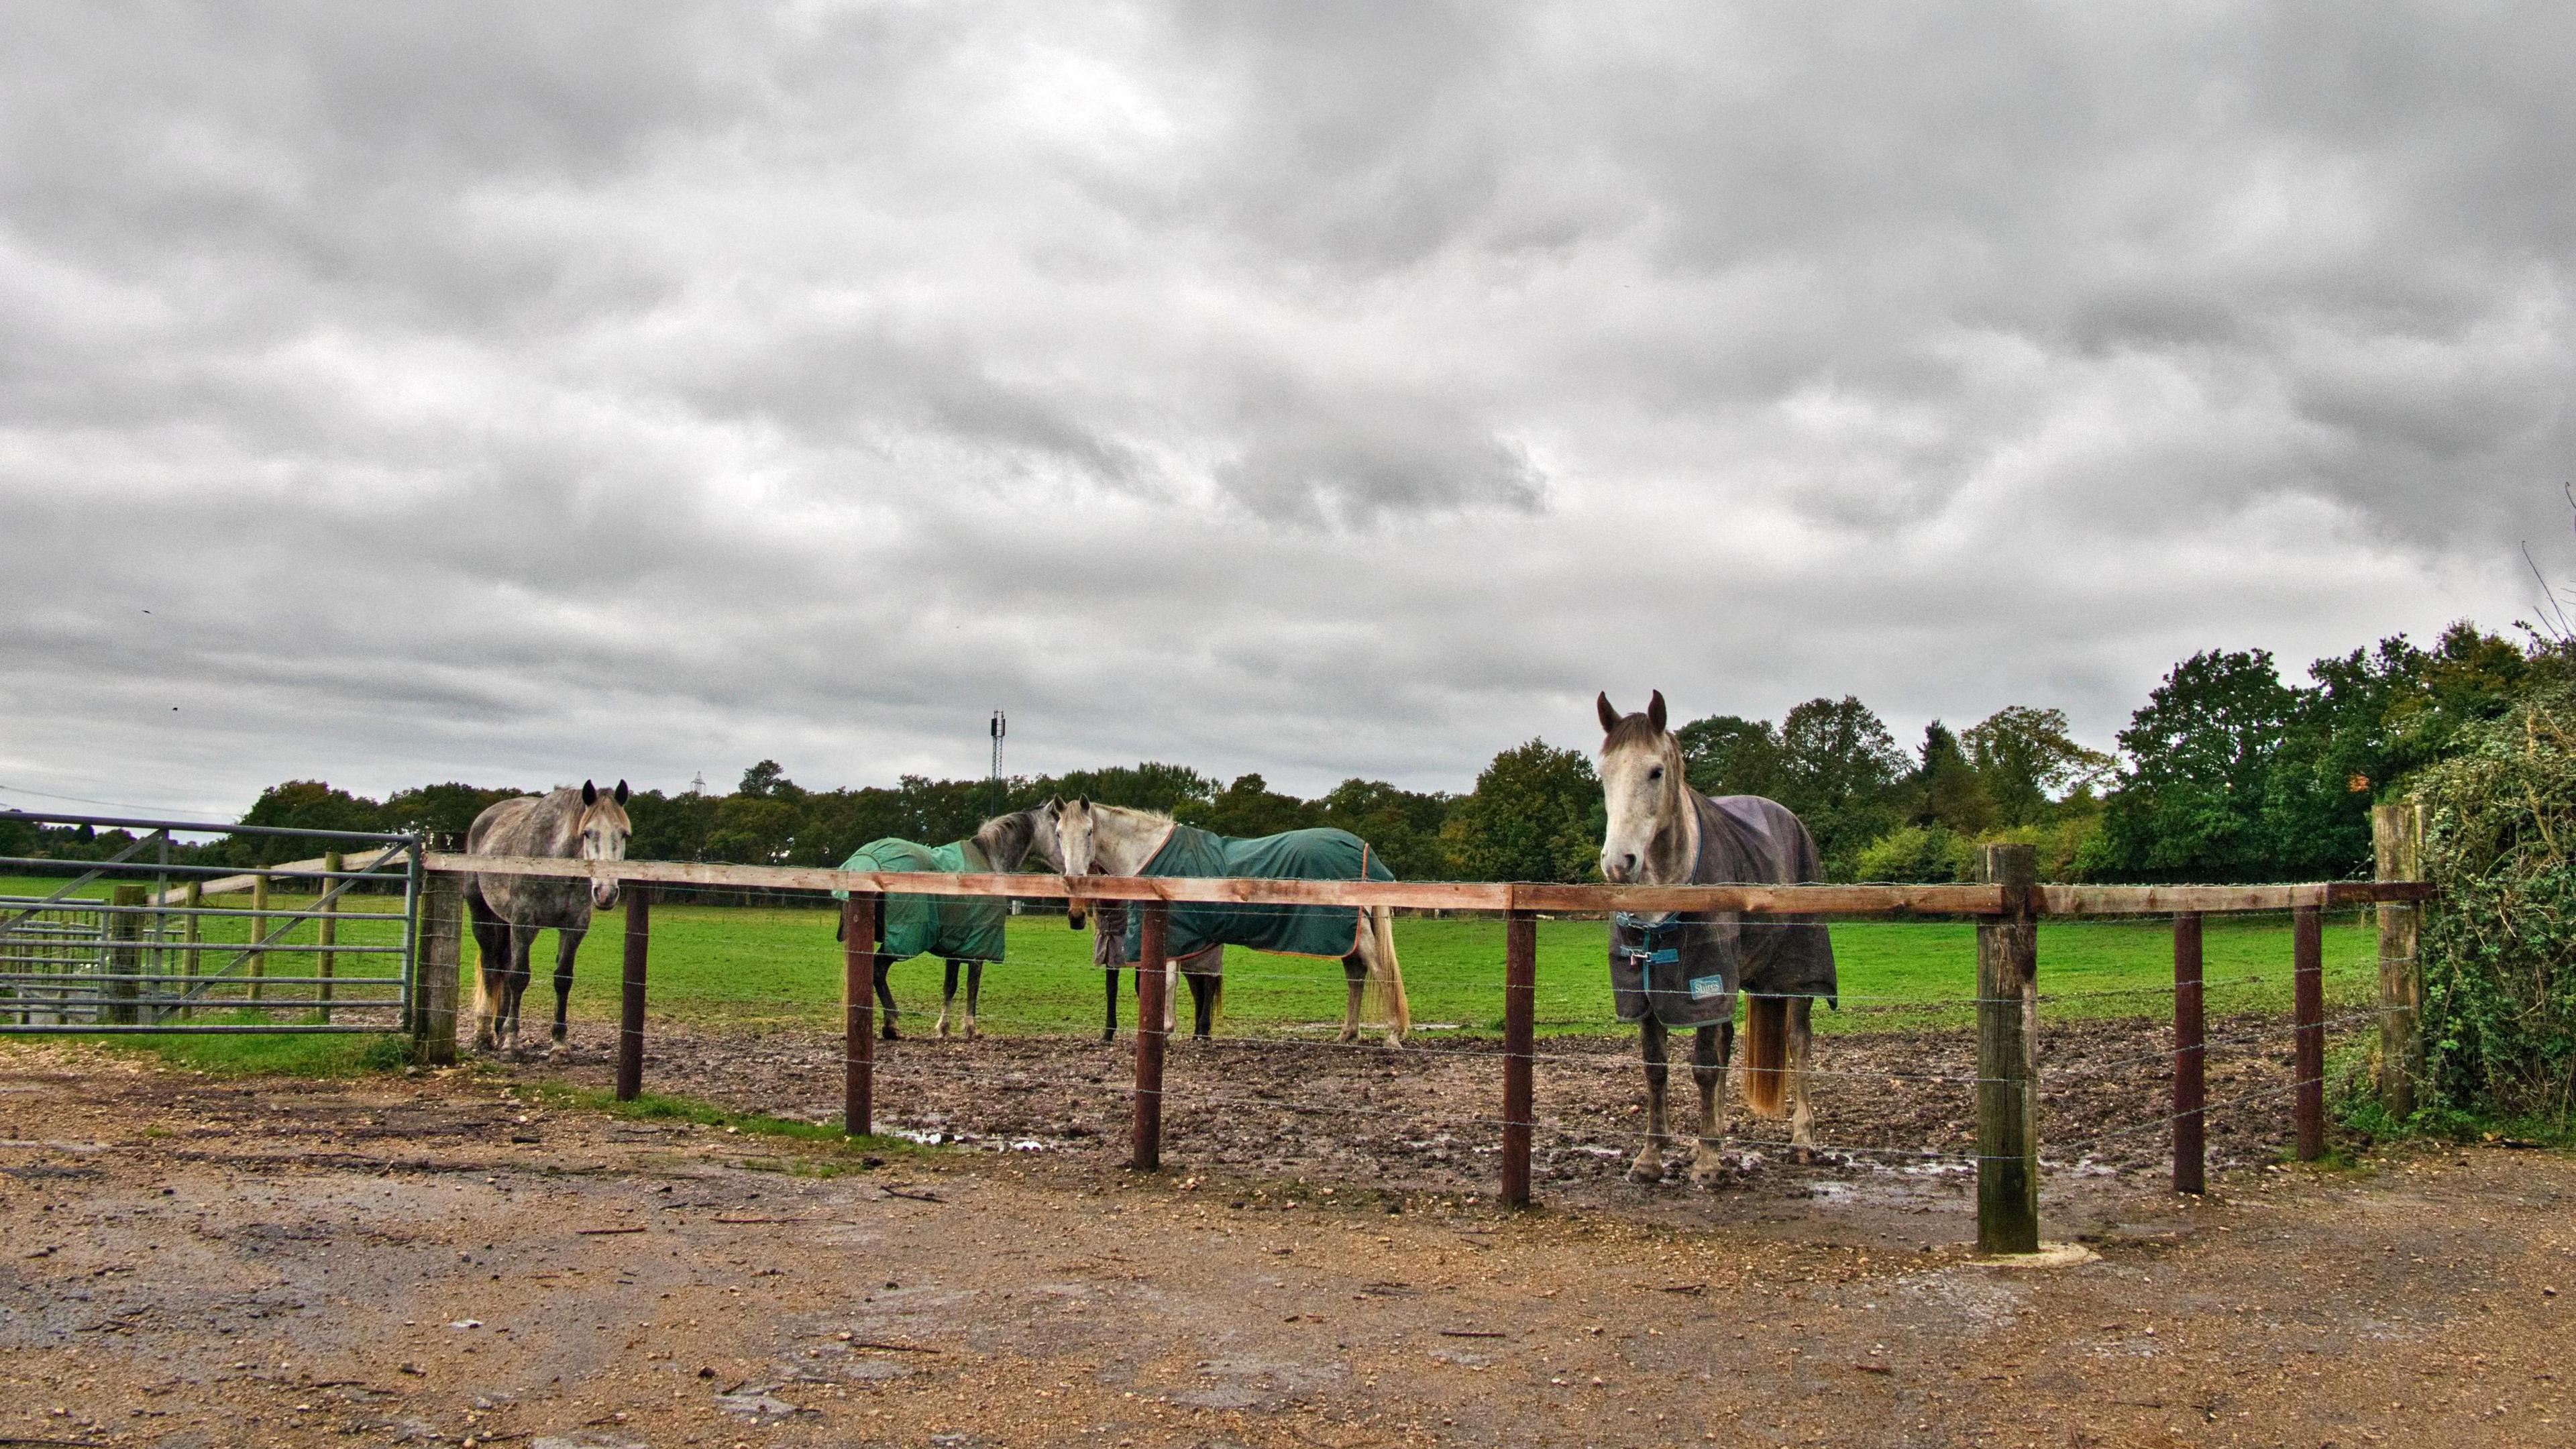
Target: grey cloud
(1316, 390)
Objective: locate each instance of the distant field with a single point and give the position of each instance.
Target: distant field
(754, 966)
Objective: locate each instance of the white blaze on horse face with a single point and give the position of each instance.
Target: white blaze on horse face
(1637, 793)
(604, 829)
(1073, 843)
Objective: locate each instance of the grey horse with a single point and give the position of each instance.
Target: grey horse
(1669, 969)
(509, 910)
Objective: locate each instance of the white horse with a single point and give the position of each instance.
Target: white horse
(509, 910)
(1669, 970)
(1114, 840)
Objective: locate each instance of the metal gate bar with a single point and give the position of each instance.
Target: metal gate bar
(136, 959)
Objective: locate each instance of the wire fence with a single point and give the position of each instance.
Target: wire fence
(1286, 1094)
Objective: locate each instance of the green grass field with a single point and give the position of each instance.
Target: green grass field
(775, 966)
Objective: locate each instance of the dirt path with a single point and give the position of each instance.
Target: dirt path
(192, 1262)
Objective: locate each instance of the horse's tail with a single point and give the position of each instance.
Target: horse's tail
(485, 922)
(1766, 1053)
(1387, 981)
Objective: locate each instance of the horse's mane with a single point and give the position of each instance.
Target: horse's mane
(1163, 816)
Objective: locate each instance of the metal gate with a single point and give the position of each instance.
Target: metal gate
(112, 925)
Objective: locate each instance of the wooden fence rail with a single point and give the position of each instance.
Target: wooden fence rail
(2007, 904)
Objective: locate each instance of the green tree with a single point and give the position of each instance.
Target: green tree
(670, 827)
(1401, 826)
(1948, 791)
(2029, 762)
(767, 781)
(446, 811)
(752, 830)
(1726, 754)
(1249, 807)
(300, 805)
(2202, 752)
(1535, 815)
(1145, 786)
(1840, 771)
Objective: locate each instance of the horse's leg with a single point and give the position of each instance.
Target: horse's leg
(1801, 1117)
(567, 941)
(1709, 1051)
(974, 989)
(947, 995)
(523, 942)
(1649, 1166)
(885, 996)
(1171, 992)
(1355, 974)
(1109, 1029)
(1203, 989)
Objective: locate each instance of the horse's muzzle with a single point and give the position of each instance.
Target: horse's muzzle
(1074, 915)
(603, 894)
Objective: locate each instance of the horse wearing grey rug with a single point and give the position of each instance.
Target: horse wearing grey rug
(1670, 969)
(509, 910)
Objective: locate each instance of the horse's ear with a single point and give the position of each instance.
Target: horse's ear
(589, 794)
(1055, 809)
(1081, 802)
(1655, 711)
(621, 792)
(1609, 712)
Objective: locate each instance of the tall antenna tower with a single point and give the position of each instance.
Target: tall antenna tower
(1001, 726)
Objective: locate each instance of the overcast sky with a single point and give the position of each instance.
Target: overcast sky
(518, 393)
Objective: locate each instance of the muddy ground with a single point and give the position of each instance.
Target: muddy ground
(1894, 1110)
(447, 1258)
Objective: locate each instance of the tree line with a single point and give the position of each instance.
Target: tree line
(2225, 773)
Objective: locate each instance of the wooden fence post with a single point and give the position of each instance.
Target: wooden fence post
(441, 956)
(124, 958)
(630, 1006)
(326, 932)
(2190, 1069)
(1520, 1012)
(2008, 1058)
(2307, 1029)
(859, 921)
(1148, 1136)
(2397, 839)
(258, 929)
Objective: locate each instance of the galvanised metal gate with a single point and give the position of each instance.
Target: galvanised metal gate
(153, 935)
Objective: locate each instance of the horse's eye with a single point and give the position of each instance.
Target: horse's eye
(1656, 773)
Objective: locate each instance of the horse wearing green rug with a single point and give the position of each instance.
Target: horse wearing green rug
(1114, 840)
(966, 931)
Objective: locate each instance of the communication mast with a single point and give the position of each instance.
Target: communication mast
(1001, 726)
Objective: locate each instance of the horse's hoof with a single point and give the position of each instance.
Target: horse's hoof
(974, 1033)
(1109, 1036)
(889, 1034)
(1395, 1040)
(1708, 1170)
(1649, 1167)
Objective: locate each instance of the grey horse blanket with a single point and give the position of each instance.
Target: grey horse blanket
(1291, 855)
(1684, 970)
(961, 928)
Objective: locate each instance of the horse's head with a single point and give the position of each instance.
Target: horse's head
(1005, 841)
(1641, 783)
(604, 829)
(1074, 828)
